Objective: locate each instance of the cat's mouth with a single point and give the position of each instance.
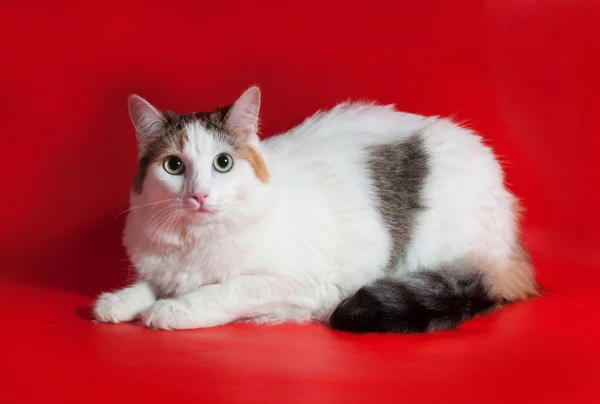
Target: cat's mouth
(202, 210)
(195, 209)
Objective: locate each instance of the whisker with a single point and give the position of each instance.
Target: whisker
(163, 220)
(160, 228)
(144, 205)
(151, 224)
(165, 231)
(174, 222)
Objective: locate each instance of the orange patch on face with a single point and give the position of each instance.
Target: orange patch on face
(256, 162)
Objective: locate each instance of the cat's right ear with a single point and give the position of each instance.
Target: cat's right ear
(146, 119)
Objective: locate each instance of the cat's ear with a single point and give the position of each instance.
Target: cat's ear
(242, 118)
(146, 119)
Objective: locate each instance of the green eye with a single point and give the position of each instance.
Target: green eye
(223, 162)
(173, 165)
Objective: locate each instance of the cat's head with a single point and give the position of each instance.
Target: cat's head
(202, 165)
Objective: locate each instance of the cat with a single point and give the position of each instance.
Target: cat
(365, 218)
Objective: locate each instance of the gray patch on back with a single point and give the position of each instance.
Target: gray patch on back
(399, 171)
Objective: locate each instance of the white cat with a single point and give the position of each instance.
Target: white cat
(362, 216)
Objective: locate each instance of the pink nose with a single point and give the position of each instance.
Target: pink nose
(199, 197)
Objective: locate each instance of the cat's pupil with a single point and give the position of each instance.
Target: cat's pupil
(174, 164)
(223, 161)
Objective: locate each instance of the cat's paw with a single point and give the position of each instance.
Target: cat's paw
(123, 305)
(169, 314)
(111, 308)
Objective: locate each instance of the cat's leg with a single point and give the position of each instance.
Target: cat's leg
(243, 297)
(125, 304)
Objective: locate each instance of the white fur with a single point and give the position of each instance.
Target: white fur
(470, 211)
(291, 249)
(125, 304)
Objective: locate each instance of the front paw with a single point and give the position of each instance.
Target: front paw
(169, 314)
(114, 308)
(124, 305)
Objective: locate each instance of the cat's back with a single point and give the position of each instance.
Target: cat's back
(348, 139)
(364, 166)
(346, 127)
(332, 144)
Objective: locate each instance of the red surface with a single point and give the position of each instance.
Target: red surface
(524, 73)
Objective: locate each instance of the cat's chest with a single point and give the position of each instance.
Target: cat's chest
(186, 268)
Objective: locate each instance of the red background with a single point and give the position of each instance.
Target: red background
(523, 73)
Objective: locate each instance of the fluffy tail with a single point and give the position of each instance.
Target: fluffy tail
(436, 299)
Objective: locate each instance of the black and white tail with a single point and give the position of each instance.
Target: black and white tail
(435, 299)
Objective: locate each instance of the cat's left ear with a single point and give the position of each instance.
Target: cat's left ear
(242, 118)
